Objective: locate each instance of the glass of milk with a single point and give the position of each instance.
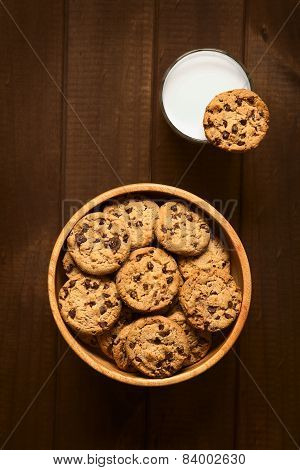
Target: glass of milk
(192, 82)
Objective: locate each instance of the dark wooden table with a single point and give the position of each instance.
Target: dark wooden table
(107, 59)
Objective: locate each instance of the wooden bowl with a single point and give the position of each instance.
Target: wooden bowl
(240, 271)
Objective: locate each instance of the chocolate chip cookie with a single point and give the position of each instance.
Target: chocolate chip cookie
(140, 215)
(215, 257)
(106, 340)
(157, 346)
(71, 270)
(88, 339)
(90, 306)
(180, 230)
(199, 341)
(149, 280)
(119, 350)
(236, 120)
(99, 243)
(210, 301)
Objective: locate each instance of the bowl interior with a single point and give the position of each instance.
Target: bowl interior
(239, 268)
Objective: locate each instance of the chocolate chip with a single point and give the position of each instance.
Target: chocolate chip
(159, 364)
(243, 135)
(217, 141)
(156, 302)
(139, 257)
(65, 289)
(97, 240)
(225, 135)
(115, 243)
(92, 303)
(145, 286)
(174, 208)
(136, 278)
(138, 359)
(169, 356)
(230, 304)
(190, 217)
(160, 326)
(164, 269)
(243, 122)
(212, 309)
(228, 316)
(106, 295)
(72, 313)
(80, 238)
(85, 228)
(125, 238)
(87, 283)
(180, 350)
(157, 341)
(227, 107)
(72, 283)
(132, 345)
(240, 143)
(69, 268)
(163, 229)
(108, 303)
(106, 286)
(132, 294)
(239, 101)
(225, 123)
(129, 210)
(95, 285)
(234, 129)
(103, 324)
(250, 100)
(103, 309)
(101, 221)
(169, 280)
(164, 333)
(139, 223)
(150, 266)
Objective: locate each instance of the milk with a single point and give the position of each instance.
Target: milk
(191, 84)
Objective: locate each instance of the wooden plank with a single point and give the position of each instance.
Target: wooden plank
(200, 413)
(108, 82)
(270, 228)
(30, 189)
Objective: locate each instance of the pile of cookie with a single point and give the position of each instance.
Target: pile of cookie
(148, 285)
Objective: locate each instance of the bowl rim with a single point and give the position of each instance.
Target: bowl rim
(196, 369)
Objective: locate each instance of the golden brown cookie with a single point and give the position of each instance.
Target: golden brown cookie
(70, 267)
(210, 301)
(106, 340)
(199, 341)
(214, 257)
(181, 230)
(90, 306)
(236, 120)
(119, 350)
(139, 215)
(149, 280)
(99, 243)
(156, 346)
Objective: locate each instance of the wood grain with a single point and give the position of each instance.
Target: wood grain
(108, 81)
(183, 26)
(109, 57)
(30, 189)
(270, 229)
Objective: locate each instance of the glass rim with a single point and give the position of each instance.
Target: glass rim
(165, 75)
